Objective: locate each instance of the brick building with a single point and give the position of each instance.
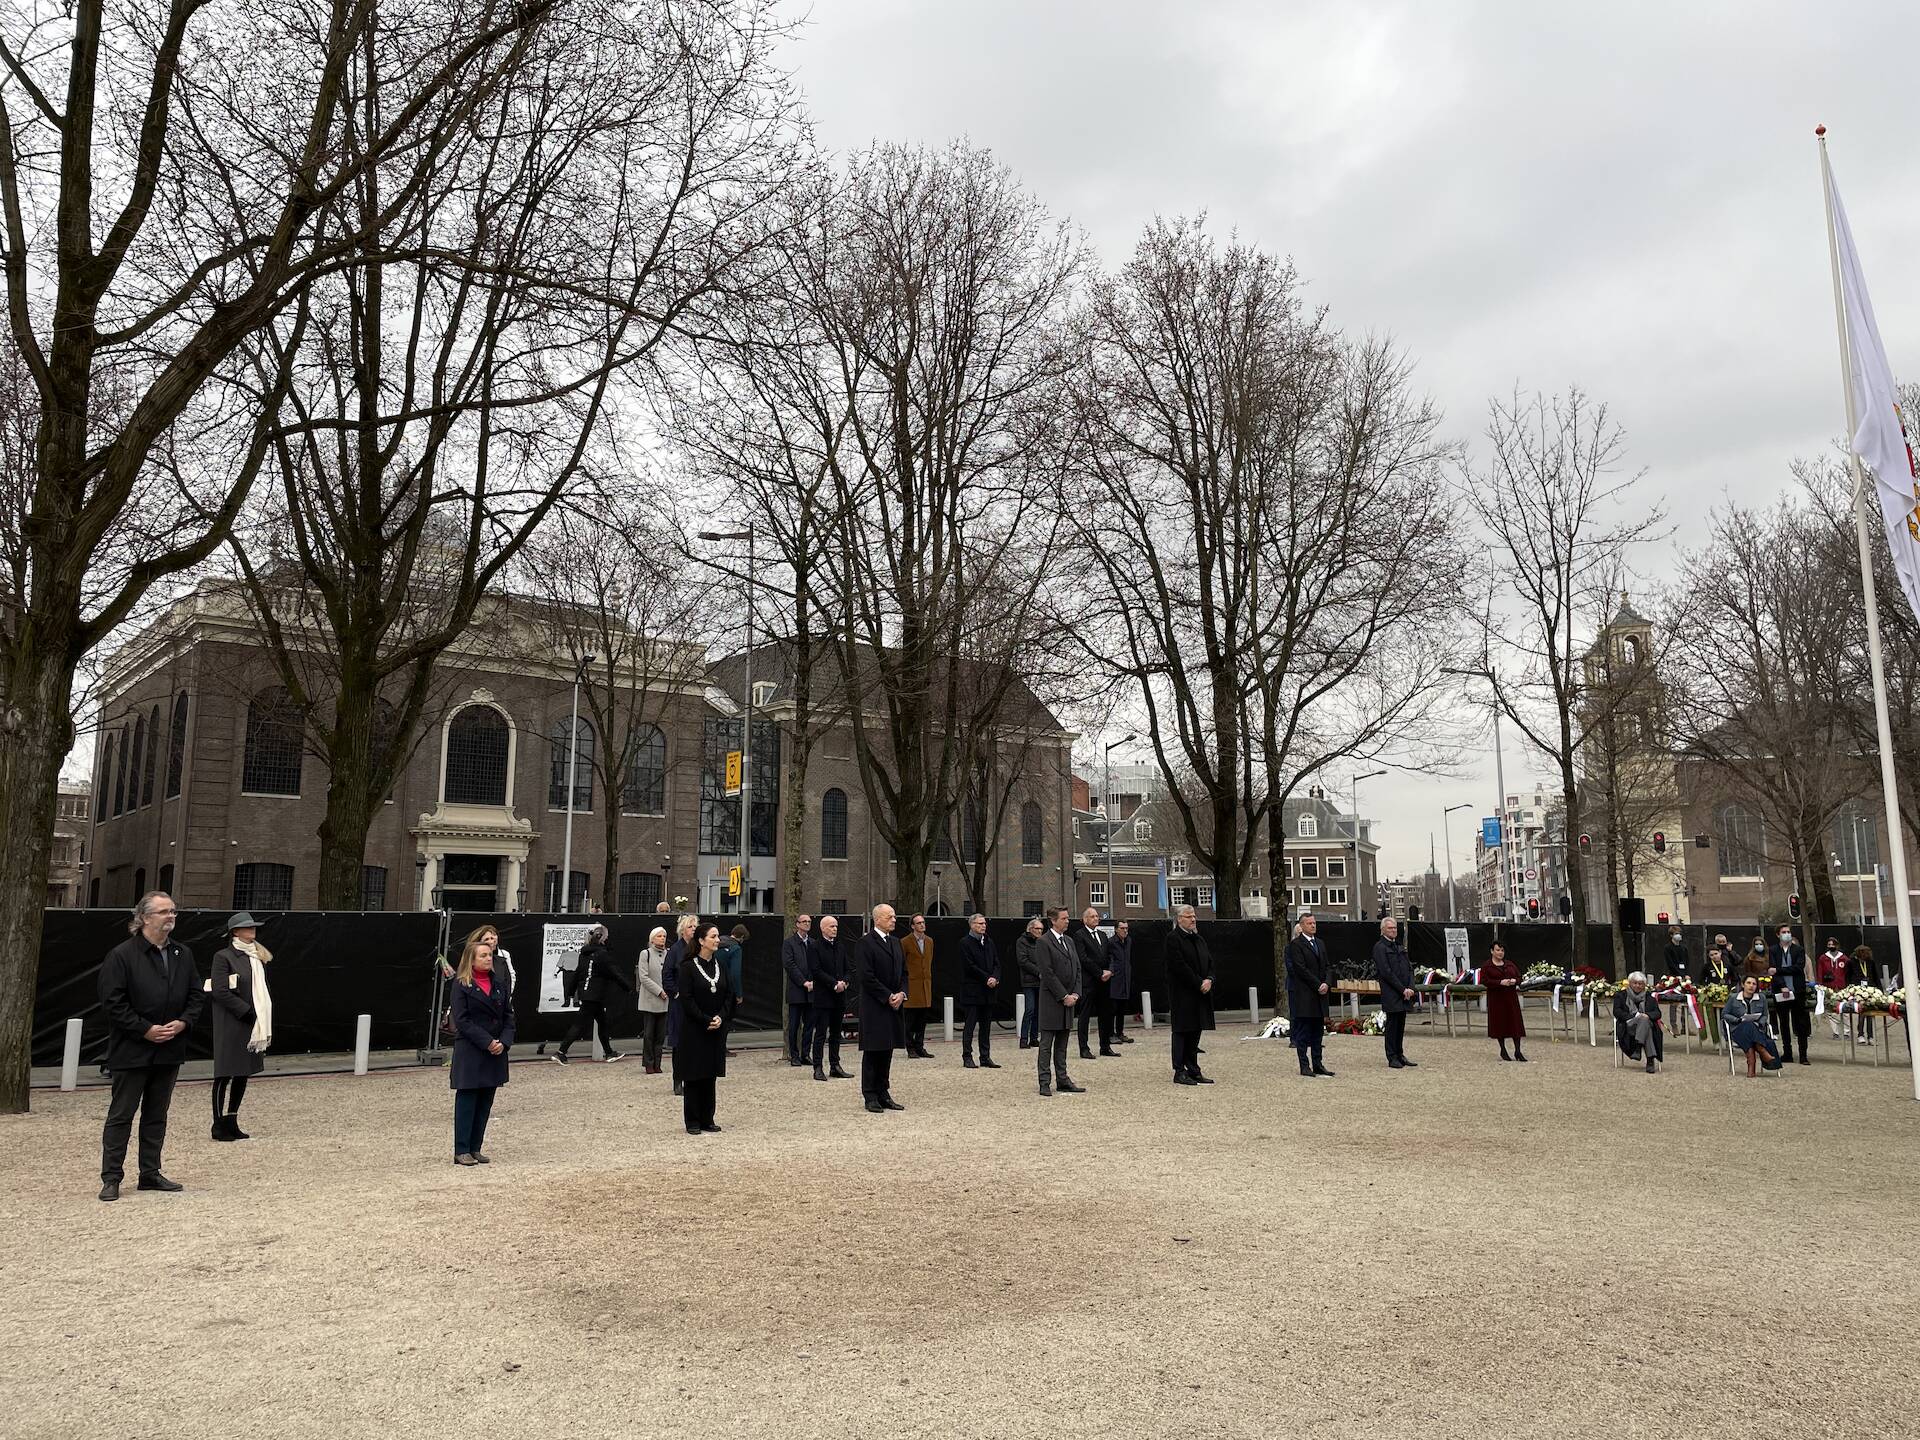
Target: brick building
(67, 856)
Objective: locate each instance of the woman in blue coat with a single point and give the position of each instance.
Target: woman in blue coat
(483, 1034)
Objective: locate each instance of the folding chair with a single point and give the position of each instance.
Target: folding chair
(1726, 1042)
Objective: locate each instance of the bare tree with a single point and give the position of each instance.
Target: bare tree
(171, 181)
(1547, 496)
(451, 389)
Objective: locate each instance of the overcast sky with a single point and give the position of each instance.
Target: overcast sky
(1626, 197)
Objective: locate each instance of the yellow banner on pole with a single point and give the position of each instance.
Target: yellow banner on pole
(733, 880)
(733, 772)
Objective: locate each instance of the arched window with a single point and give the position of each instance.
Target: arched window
(1630, 648)
(1742, 844)
(271, 762)
(582, 755)
(833, 825)
(1032, 834)
(645, 789)
(639, 892)
(1309, 827)
(120, 774)
(261, 886)
(153, 756)
(177, 745)
(133, 764)
(106, 778)
(476, 757)
(1142, 828)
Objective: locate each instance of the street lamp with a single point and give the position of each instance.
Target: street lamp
(1106, 806)
(1354, 888)
(1463, 805)
(746, 724)
(573, 765)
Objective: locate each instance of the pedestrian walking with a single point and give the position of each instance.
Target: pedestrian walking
(601, 978)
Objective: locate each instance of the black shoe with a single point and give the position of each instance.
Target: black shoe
(1805, 1061)
(694, 1130)
(1067, 1087)
(793, 1060)
(1112, 1052)
(1026, 1044)
(818, 1073)
(222, 1131)
(1086, 1054)
(1518, 1056)
(1652, 1067)
(615, 1056)
(110, 1190)
(710, 1129)
(1505, 1056)
(986, 1064)
(1046, 1090)
(559, 1057)
(1395, 1065)
(836, 1073)
(159, 1182)
(1407, 1064)
(679, 1087)
(1306, 1071)
(875, 1106)
(969, 1063)
(233, 1127)
(1200, 1079)
(1322, 1070)
(1185, 1080)
(887, 1102)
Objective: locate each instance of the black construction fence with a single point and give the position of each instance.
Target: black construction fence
(329, 967)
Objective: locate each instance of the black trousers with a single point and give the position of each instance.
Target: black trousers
(1396, 1022)
(653, 1028)
(228, 1092)
(148, 1090)
(697, 1101)
(1097, 1005)
(1186, 1052)
(978, 1017)
(1052, 1050)
(1308, 1036)
(592, 1012)
(917, 1030)
(876, 1074)
(1119, 1018)
(823, 1035)
(797, 1013)
(1793, 1021)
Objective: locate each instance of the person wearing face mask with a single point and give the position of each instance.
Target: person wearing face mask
(1678, 960)
(1830, 970)
(1717, 969)
(1755, 962)
(1792, 996)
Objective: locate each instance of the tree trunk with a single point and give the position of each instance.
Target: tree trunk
(793, 828)
(343, 843)
(36, 732)
(610, 881)
(1277, 906)
(1576, 890)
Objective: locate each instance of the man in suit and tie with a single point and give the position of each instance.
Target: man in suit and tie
(1190, 987)
(1792, 995)
(797, 967)
(150, 992)
(1309, 986)
(883, 1023)
(1096, 974)
(1057, 959)
(979, 984)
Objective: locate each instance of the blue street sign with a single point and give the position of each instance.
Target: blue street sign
(1490, 831)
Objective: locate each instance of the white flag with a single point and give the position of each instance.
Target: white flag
(1881, 439)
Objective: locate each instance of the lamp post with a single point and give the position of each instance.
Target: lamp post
(1354, 887)
(746, 724)
(1106, 806)
(1447, 832)
(573, 766)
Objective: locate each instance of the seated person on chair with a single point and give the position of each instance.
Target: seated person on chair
(1636, 1022)
(1746, 1020)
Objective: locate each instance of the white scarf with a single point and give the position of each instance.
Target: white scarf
(258, 954)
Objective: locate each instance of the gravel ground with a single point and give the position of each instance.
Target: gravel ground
(1466, 1249)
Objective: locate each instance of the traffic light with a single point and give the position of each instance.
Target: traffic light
(1586, 845)
(1663, 917)
(1533, 909)
(1659, 842)
(1793, 906)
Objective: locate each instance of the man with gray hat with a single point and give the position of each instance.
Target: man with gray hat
(150, 992)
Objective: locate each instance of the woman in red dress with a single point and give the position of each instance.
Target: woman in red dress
(1502, 979)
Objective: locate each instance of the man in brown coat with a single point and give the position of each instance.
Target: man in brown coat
(918, 947)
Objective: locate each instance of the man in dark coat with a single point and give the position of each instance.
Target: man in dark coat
(1792, 994)
(827, 968)
(979, 983)
(798, 969)
(601, 978)
(1057, 963)
(150, 992)
(883, 1025)
(1309, 991)
(1394, 971)
(1637, 1024)
(1190, 986)
(1120, 987)
(1095, 976)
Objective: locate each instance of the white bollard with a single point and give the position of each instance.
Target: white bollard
(1146, 1009)
(362, 1042)
(948, 1002)
(1253, 1002)
(1020, 1013)
(70, 1057)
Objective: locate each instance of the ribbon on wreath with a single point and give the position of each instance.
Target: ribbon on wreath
(1820, 1002)
(1556, 999)
(1693, 1009)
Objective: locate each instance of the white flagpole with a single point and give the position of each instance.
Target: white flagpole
(1896, 838)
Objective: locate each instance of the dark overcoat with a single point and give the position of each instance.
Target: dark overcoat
(1026, 959)
(1092, 948)
(138, 990)
(1120, 961)
(604, 974)
(826, 963)
(231, 990)
(1308, 968)
(702, 1051)
(796, 966)
(1188, 963)
(478, 1020)
(979, 962)
(1057, 959)
(1394, 971)
(1789, 976)
(883, 973)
